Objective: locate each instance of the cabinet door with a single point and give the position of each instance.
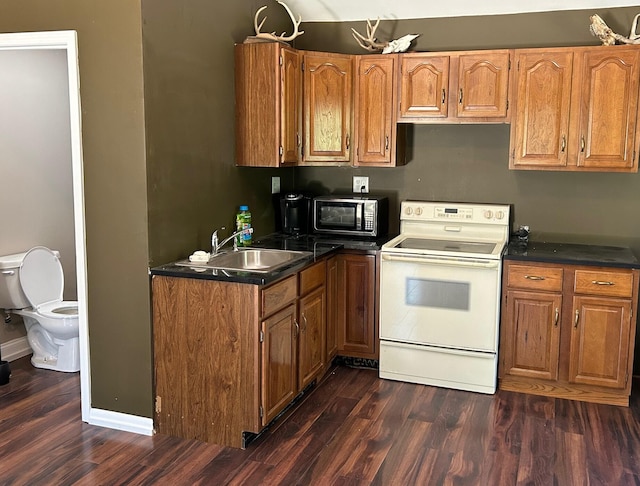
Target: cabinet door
(332, 308)
(279, 362)
(327, 107)
(311, 341)
(291, 106)
(531, 334)
(356, 311)
(540, 124)
(482, 85)
(600, 338)
(608, 104)
(424, 84)
(375, 120)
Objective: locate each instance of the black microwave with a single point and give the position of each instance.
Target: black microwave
(356, 216)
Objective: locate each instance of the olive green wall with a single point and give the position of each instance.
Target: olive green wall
(194, 186)
(110, 57)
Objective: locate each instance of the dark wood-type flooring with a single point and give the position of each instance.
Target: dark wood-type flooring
(352, 429)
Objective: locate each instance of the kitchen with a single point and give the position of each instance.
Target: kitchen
(176, 147)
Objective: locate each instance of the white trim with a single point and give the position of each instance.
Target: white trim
(15, 349)
(67, 40)
(121, 421)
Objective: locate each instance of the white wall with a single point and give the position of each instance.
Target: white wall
(36, 193)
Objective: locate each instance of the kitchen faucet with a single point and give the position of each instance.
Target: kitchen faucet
(216, 246)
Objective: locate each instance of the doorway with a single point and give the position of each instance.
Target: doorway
(64, 45)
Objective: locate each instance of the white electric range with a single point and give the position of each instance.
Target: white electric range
(440, 294)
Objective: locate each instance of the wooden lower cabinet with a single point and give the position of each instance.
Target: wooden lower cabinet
(568, 331)
(229, 357)
(357, 314)
(332, 308)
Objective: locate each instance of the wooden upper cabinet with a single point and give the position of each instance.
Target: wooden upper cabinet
(455, 87)
(608, 103)
(540, 127)
(375, 121)
(268, 90)
(424, 87)
(328, 82)
(481, 85)
(576, 109)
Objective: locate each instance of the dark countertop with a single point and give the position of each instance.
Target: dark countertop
(572, 253)
(319, 246)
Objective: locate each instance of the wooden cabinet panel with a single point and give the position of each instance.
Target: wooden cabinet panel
(328, 81)
(332, 308)
(279, 362)
(375, 111)
(540, 127)
(268, 92)
(608, 96)
(312, 277)
(600, 342)
(357, 333)
(482, 84)
(424, 85)
(278, 295)
(291, 106)
(534, 277)
(532, 337)
(604, 283)
(311, 339)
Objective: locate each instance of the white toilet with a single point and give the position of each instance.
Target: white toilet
(31, 285)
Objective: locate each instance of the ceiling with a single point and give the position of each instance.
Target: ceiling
(348, 10)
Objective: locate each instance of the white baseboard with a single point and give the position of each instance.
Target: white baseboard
(15, 349)
(121, 421)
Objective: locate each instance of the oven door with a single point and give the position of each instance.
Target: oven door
(440, 301)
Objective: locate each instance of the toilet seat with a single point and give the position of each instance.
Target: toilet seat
(59, 310)
(42, 280)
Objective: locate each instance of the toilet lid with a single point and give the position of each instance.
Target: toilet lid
(41, 276)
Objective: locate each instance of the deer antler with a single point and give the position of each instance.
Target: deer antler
(370, 43)
(272, 35)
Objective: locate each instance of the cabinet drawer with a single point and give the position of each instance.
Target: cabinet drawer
(534, 277)
(312, 277)
(279, 295)
(608, 283)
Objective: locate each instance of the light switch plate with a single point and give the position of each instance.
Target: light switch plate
(275, 185)
(360, 184)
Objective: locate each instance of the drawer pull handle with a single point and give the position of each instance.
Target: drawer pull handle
(8, 272)
(555, 319)
(533, 277)
(575, 322)
(602, 282)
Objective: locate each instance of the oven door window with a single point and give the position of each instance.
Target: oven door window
(440, 305)
(437, 293)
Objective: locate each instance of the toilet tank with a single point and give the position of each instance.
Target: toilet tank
(11, 294)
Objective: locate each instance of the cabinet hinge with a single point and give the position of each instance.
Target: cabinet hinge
(261, 336)
(509, 65)
(281, 150)
(507, 105)
(261, 411)
(302, 65)
(158, 404)
(281, 60)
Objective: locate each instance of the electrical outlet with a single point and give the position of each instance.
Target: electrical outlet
(275, 185)
(360, 184)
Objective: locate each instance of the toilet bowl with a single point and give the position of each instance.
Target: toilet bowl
(31, 285)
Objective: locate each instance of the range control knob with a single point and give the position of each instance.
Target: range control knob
(488, 214)
(499, 214)
(418, 211)
(408, 210)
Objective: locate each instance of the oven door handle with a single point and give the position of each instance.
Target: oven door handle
(435, 260)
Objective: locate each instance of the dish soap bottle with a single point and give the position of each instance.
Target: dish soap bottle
(243, 222)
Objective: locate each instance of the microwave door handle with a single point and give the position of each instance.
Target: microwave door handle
(432, 260)
(359, 211)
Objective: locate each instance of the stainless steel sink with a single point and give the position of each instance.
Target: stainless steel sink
(260, 260)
